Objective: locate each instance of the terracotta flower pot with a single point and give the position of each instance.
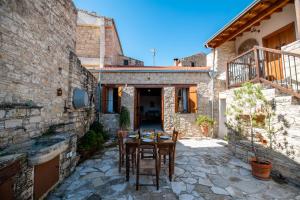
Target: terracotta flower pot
(261, 169)
(205, 129)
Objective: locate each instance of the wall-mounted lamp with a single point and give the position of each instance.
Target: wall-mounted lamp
(59, 92)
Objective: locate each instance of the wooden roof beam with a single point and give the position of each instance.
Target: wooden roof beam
(260, 17)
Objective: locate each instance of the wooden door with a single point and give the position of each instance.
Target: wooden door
(136, 108)
(46, 175)
(276, 40)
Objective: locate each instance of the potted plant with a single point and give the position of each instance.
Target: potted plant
(205, 123)
(249, 101)
(124, 119)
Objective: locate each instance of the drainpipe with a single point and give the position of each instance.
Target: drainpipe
(212, 76)
(100, 95)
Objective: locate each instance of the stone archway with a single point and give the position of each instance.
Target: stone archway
(247, 45)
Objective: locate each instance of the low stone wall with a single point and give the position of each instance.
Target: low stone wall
(281, 164)
(110, 123)
(186, 125)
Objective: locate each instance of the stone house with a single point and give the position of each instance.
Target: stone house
(156, 97)
(261, 45)
(198, 59)
(98, 43)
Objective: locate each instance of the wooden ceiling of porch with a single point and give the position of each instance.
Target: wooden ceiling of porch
(252, 16)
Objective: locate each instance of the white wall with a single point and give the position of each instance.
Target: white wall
(277, 21)
(84, 18)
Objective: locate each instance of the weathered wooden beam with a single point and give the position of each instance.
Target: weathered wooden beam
(261, 16)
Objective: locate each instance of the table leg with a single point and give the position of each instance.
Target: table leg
(170, 163)
(127, 162)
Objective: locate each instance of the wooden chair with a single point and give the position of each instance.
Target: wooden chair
(147, 166)
(164, 151)
(147, 149)
(122, 151)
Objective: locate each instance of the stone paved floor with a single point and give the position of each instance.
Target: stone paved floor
(205, 169)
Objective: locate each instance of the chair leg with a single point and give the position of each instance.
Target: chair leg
(157, 173)
(165, 159)
(159, 163)
(132, 162)
(137, 174)
(120, 162)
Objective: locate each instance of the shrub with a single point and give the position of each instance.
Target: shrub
(91, 141)
(98, 128)
(205, 120)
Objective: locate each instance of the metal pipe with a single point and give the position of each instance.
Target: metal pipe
(213, 85)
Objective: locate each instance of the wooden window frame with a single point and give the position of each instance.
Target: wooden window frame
(190, 108)
(117, 93)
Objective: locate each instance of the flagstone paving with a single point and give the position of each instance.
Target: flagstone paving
(205, 169)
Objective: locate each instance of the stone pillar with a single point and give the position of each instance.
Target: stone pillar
(297, 9)
(127, 101)
(169, 108)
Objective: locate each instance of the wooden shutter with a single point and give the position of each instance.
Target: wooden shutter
(119, 99)
(176, 100)
(192, 105)
(104, 99)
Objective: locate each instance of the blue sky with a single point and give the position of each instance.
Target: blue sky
(176, 28)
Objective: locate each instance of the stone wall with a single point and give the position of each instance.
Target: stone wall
(110, 123)
(156, 78)
(199, 60)
(127, 101)
(18, 123)
(88, 41)
(223, 54)
(169, 108)
(37, 64)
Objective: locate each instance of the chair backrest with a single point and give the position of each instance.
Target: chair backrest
(121, 136)
(175, 136)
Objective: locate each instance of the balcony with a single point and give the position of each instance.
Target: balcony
(276, 68)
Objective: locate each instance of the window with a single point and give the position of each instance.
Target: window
(126, 62)
(193, 64)
(186, 100)
(111, 99)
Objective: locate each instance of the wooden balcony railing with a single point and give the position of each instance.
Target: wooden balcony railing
(277, 68)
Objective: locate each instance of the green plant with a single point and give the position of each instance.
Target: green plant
(91, 141)
(203, 120)
(98, 128)
(242, 110)
(124, 119)
(242, 114)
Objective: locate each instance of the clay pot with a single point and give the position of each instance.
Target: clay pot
(261, 169)
(205, 129)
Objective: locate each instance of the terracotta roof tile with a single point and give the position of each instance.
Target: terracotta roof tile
(153, 68)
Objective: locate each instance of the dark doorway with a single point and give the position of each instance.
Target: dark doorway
(149, 107)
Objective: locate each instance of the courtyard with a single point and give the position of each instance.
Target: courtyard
(204, 169)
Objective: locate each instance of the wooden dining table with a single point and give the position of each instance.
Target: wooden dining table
(133, 143)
